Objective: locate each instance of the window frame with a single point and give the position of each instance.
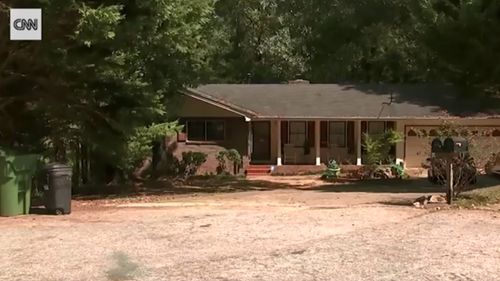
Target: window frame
(290, 132)
(205, 135)
(374, 122)
(344, 134)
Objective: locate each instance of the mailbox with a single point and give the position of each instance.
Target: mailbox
(437, 145)
(455, 145)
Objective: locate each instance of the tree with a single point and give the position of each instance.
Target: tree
(363, 41)
(255, 42)
(462, 35)
(100, 72)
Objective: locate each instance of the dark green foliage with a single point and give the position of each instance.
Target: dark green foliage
(102, 74)
(191, 162)
(231, 155)
(398, 171)
(221, 159)
(108, 69)
(332, 171)
(378, 146)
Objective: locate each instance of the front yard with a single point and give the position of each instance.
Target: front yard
(278, 229)
(270, 235)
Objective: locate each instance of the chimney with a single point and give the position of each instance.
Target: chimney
(298, 81)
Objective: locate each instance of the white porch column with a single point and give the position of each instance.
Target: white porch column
(357, 134)
(400, 146)
(250, 140)
(278, 143)
(317, 146)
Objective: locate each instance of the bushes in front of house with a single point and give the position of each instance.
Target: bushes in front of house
(233, 157)
(190, 163)
(377, 157)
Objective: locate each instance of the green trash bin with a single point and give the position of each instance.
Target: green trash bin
(16, 178)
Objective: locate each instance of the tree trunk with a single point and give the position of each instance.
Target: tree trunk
(141, 170)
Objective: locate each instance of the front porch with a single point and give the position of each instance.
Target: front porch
(314, 142)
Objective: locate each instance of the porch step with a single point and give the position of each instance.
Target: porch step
(258, 170)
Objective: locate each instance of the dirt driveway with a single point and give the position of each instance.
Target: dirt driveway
(264, 235)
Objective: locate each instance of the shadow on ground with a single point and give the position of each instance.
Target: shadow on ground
(216, 184)
(195, 185)
(416, 185)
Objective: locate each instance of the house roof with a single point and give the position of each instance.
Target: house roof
(345, 101)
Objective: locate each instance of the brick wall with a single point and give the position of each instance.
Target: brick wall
(236, 137)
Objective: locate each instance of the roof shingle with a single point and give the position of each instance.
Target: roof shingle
(347, 100)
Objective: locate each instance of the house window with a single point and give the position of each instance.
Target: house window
(337, 134)
(376, 127)
(215, 130)
(297, 133)
(205, 130)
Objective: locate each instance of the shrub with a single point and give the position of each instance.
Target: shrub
(221, 159)
(332, 171)
(191, 162)
(140, 144)
(398, 171)
(235, 157)
(378, 147)
(231, 155)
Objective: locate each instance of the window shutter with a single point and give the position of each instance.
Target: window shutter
(310, 133)
(364, 130)
(284, 132)
(390, 125)
(350, 137)
(323, 133)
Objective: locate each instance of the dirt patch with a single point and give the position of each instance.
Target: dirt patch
(249, 241)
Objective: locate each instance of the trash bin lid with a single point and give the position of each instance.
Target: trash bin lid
(58, 168)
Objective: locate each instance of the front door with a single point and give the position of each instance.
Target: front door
(261, 141)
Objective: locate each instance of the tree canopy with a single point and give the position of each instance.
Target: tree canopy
(106, 70)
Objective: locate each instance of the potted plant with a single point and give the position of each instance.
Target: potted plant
(332, 171)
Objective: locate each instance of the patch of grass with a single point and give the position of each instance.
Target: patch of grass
(124, 268)
(479, 197)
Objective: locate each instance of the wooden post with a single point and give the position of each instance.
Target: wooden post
(449, 182)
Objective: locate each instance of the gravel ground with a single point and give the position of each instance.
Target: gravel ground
(275, 235)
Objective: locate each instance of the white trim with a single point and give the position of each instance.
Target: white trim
(357, 137)
(317, 141)
(278, 144)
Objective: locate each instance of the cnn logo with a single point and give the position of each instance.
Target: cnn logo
(25, 24)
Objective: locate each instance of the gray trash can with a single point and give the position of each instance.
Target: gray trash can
(57, 188)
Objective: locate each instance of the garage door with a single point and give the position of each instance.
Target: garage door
(417, 145)
(484, 139)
